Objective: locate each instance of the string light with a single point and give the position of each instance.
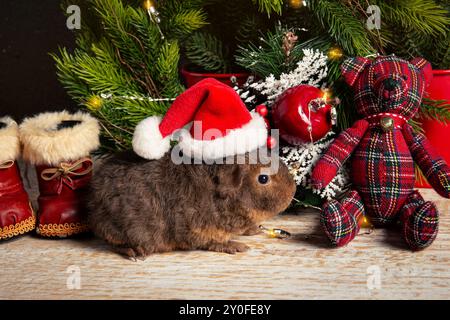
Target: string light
(296, 4)
(335, 53)
(150, 7)
(366, 223)
(148, 4)
(275, 233)
(94, 103)
(327, 98)
(109, 96)
(326, 95)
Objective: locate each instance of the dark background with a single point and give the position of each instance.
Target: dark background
(29, 30)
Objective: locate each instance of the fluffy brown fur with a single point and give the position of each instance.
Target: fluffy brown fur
(142, 207)
(9, 140)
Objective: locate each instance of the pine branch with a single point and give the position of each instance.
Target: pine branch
(438, 110)
(181, 18)
(269, 6)
(342, 25)
(245, 32)
(167, 66)
(422, 16)
(438, 52)
(421, 28)
(117, 69)
(268, 57)
(205, 50)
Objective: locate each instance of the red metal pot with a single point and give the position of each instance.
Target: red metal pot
(192, 77)
(436, 132)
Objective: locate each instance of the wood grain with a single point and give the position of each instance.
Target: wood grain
(303, 267)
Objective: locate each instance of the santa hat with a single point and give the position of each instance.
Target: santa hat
(222, 125)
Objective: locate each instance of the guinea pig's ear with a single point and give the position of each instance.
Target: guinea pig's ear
(352, 68)
(425, 67)
(229, 180)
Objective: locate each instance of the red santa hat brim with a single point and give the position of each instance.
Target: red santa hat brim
(249, 137)
(148, 142)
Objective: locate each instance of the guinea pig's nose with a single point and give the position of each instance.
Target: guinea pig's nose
(390, 84)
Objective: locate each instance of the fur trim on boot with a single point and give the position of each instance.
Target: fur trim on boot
(9, 139)
(53, 137)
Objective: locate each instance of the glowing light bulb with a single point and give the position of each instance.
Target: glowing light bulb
(150, 7)
(94, 103)
(297, 3)
(366, 223)
(275, 233)
(327, 93)
(335, 53)
(148, 4)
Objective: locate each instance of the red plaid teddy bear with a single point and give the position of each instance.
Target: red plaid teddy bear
(383, 148)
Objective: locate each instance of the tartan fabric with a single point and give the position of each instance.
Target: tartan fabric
(337, 153)
(382, 170)
(353, 67)
(420, 222)
(382, 164)
(367, 80)
(431, 164)
(341, 220)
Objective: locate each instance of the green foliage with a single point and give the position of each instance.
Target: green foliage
(267, 56)
(409, 28)
(122, 63)
(438, 110)
(425, 17)
(269, 6)
(306, 198)
(204, 49)
(421, 28)
(121, 54)
(344, 27)
(231, 23)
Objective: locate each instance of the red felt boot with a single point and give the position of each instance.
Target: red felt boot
(16, 213)
(59, 145)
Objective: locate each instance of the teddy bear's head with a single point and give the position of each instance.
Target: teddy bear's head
(387, 84)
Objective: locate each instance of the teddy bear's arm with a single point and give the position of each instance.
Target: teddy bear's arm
(338, 151)
(429, 161)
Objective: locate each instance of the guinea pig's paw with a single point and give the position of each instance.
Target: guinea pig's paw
(133, 254)
(230, 247)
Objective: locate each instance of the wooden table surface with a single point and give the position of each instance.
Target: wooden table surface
(373, 266)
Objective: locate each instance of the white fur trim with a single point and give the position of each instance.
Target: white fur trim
(44, 145)
(249, 137)
(148, 142)
(9, 140)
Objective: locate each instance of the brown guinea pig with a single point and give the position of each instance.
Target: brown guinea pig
(142, 207)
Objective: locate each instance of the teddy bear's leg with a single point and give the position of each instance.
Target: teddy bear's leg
(420, 221)
(342, 219)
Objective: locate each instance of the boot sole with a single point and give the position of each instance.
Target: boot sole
(19, 228)
(61, 230)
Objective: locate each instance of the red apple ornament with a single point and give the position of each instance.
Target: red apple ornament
(302, 114)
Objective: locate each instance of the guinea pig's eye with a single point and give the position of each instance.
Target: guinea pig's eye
(263, 178)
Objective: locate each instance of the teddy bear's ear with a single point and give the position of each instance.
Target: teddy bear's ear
(425, 67)
(352, 68)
